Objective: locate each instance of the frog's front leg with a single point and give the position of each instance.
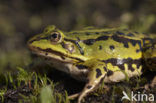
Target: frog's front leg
(95, 76)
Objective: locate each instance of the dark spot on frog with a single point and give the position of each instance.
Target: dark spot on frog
(121, 67)
(81, 66)
(130, 67)
(98, 73)
(137, 51)
(130, 34)
(91, 41)
(126, 46)
(102, 38)
(113, 61)
(80, 48)
(133, 42)
(111, 47)
(120, 33)
(105, 69)
(63, 44)
(120, 40)
(125, 41)
(89, 86)
(109, 73)
(100, 47)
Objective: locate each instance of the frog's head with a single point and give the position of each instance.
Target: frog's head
(52, 43)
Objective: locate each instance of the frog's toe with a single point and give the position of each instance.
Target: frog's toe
(73, 96)
(83, 94)
(89, 87)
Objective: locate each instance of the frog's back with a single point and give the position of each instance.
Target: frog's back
(94, 32)
(109, 43)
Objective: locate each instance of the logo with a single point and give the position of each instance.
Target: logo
(125, 96)
(138, 97)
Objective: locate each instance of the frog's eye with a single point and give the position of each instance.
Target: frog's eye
(55, 37)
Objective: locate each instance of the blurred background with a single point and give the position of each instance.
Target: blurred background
(21, 19)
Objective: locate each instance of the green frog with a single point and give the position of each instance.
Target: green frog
(95, 55)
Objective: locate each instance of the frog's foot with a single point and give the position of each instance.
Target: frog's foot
(95, 77)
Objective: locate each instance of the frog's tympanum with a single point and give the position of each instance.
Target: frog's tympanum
(96, 55)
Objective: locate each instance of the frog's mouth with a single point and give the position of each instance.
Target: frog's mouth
(51, 54)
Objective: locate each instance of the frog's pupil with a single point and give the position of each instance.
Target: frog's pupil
(54, 35)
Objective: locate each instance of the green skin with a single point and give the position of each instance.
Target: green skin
(96, 55)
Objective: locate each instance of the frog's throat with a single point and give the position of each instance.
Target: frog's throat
(49, 53)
